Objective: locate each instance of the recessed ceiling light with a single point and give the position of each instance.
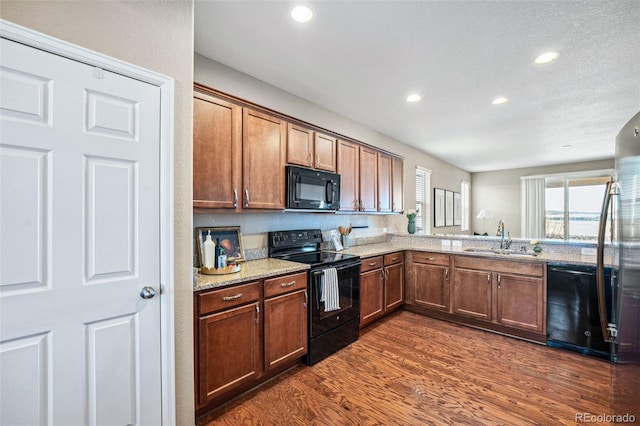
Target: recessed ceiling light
(545, 58)
(566, 146)
(413, 98)
(498, 101)
(301, 14)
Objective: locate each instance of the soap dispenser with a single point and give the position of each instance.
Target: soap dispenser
(208, 249)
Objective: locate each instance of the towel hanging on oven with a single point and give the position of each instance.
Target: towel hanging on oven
(329, 290)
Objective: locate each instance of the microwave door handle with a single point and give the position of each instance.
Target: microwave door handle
(327, 191)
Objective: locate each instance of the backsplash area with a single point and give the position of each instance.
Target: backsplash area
(255, 226)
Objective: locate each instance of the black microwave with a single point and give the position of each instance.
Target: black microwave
(312, 189)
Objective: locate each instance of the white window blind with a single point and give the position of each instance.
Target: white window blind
(465, 208)
(423, 190)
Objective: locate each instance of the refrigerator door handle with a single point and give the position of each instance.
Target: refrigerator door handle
(602, 303)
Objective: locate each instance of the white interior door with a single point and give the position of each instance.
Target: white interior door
(79, 239)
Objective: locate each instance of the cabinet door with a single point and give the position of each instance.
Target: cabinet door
(393, 286)
(263, 148)
(397, 188)
(368, 180)
(229, 351)
(285, 328)
(521, 302)
(384, 182)
(348, 169)
(217, 152)
(431, 286)
(472, 293)
(325, 152)
(371, 296)
(299, 145)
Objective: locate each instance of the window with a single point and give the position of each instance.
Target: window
(573, 206)
(465, 208)
(423, 189)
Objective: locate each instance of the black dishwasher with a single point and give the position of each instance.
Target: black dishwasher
(573, 318)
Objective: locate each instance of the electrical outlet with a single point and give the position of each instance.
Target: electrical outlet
(446, 243)
(456, 244)
(384, 230)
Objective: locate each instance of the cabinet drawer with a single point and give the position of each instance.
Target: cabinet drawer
(390, 259)
(280, 285)
(229, 297)
(431, 258)
(371, 263)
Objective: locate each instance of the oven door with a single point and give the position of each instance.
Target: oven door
(349, 291)
(312, 189)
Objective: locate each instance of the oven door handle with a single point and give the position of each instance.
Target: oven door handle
(339, 268)
(329, 192)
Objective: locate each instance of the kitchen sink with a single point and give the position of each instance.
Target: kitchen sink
(506, 252)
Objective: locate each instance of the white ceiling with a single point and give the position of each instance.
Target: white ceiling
(361, 59)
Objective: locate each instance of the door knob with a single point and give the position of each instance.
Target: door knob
(147, 292)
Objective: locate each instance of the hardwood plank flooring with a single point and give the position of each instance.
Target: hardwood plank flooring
(413, 370)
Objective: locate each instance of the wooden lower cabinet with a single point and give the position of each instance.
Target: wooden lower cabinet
(428, 280)
(381, 286)
(371, 296)
(521, 302)
(285, 328)
(507, 296)
(472, 293)
(246, 334)
(229, 351)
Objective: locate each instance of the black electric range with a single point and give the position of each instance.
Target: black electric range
(329, 330)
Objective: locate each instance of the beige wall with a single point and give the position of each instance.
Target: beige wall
(233, 82)
(157, 36)
(499, 193)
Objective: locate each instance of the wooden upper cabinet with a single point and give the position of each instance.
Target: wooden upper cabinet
(348, 169)
(384, 182)
(368, 180)
(299, 145)
(217, 152)
(310, 149)
(325, 152)
(264, 150)
(397, 197)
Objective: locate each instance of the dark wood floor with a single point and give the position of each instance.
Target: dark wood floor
(413, 370)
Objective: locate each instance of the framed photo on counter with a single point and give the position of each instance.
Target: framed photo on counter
(230, 239)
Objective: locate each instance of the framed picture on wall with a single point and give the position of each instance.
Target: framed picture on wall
(448, 208)
(438, 207)
(457, 212)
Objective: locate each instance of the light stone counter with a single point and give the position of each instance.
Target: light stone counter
(371, 250)
(251, 270)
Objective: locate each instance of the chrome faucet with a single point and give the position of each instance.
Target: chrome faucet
(504, 245)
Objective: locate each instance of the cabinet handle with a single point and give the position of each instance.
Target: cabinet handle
(446, 274)
(488, 278)
(498, 280)
(317, 160)
(361, 208)
(393, 259)
(310, 160)
(228, 298)
(246, 198)
(235, 197)
(372, 263)
(289, 284)
(306, 298)
(382, 276)
(431, 259)
(257, 313)
(355, 204)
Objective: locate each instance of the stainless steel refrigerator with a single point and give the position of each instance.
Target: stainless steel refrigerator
(622, 201)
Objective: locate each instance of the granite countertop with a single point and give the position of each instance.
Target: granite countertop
(251, 270)
(371, 250)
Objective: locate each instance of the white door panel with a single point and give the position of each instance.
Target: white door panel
(79, 231)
